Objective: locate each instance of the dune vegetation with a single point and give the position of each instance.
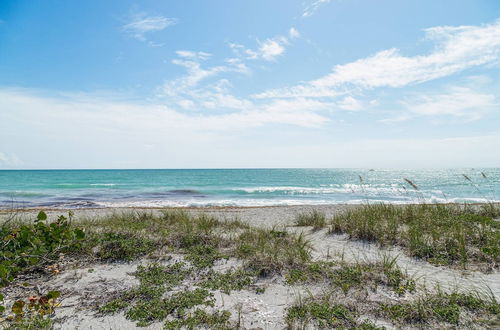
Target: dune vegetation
(179, 253)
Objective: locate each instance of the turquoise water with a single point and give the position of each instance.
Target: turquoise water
(241, 187)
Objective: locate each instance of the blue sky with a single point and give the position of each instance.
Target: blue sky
(224, 83)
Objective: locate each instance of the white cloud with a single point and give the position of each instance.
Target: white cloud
(96, 113)
(272, 48)
(293, 33)
(141, 25)
(202, 87)
(311, 9)
(223, 100)
(267, 50)
(458, 102)
(350, 103)
(193, 55)
(457, 49)
(195, 74)
(9, 160)
(186, 104)
(242, 52)
(132, 135)
(204, 90)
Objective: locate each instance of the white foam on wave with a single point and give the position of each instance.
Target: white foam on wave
(275, 202)
(103, 184)
(215, 203)
(339, 189)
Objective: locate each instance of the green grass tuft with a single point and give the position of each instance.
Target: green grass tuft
(231, 281)
(441, 234)
(324, 313)
(314, 219)
(201, 319)
(272, 251)
(442, 307)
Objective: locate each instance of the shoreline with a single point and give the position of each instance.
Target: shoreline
(32, 209)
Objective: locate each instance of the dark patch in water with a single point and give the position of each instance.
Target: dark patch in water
(7, 204)
(184, 192)
(124, 197)
(90, 195)
(175, 192)
(73, 199)
(68, 204)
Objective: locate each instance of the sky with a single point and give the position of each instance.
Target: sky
(244, 84)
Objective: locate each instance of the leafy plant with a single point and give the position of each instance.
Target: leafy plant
(2, 307)
(29, 246)
(32, 313)
(201, 319)
(121, 246)
(226, 282)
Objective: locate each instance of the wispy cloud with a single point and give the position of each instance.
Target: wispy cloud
(313, 7)
(193, 55)
(204, 89)
(458, 102)
(188, 90)
(145, 134)
(350, 103)
(269, 49)
(122, 115)
(457, 49)
(463, 103)
(140, 25)
(293, 33)
(9, 160)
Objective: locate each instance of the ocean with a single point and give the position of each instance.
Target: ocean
(242, 187)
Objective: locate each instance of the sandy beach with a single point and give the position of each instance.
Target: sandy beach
(89, 284)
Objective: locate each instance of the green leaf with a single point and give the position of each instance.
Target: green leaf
(17, 307)
(41, 216)
(79, 233)
(53, 294)
(4, 271)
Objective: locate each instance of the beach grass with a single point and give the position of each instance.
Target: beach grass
(325, 313)
(314, 218)
(457, 235)
(441, 306)
(347, 275)
(203, 240)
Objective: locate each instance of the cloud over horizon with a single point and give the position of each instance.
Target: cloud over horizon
(304, 81)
